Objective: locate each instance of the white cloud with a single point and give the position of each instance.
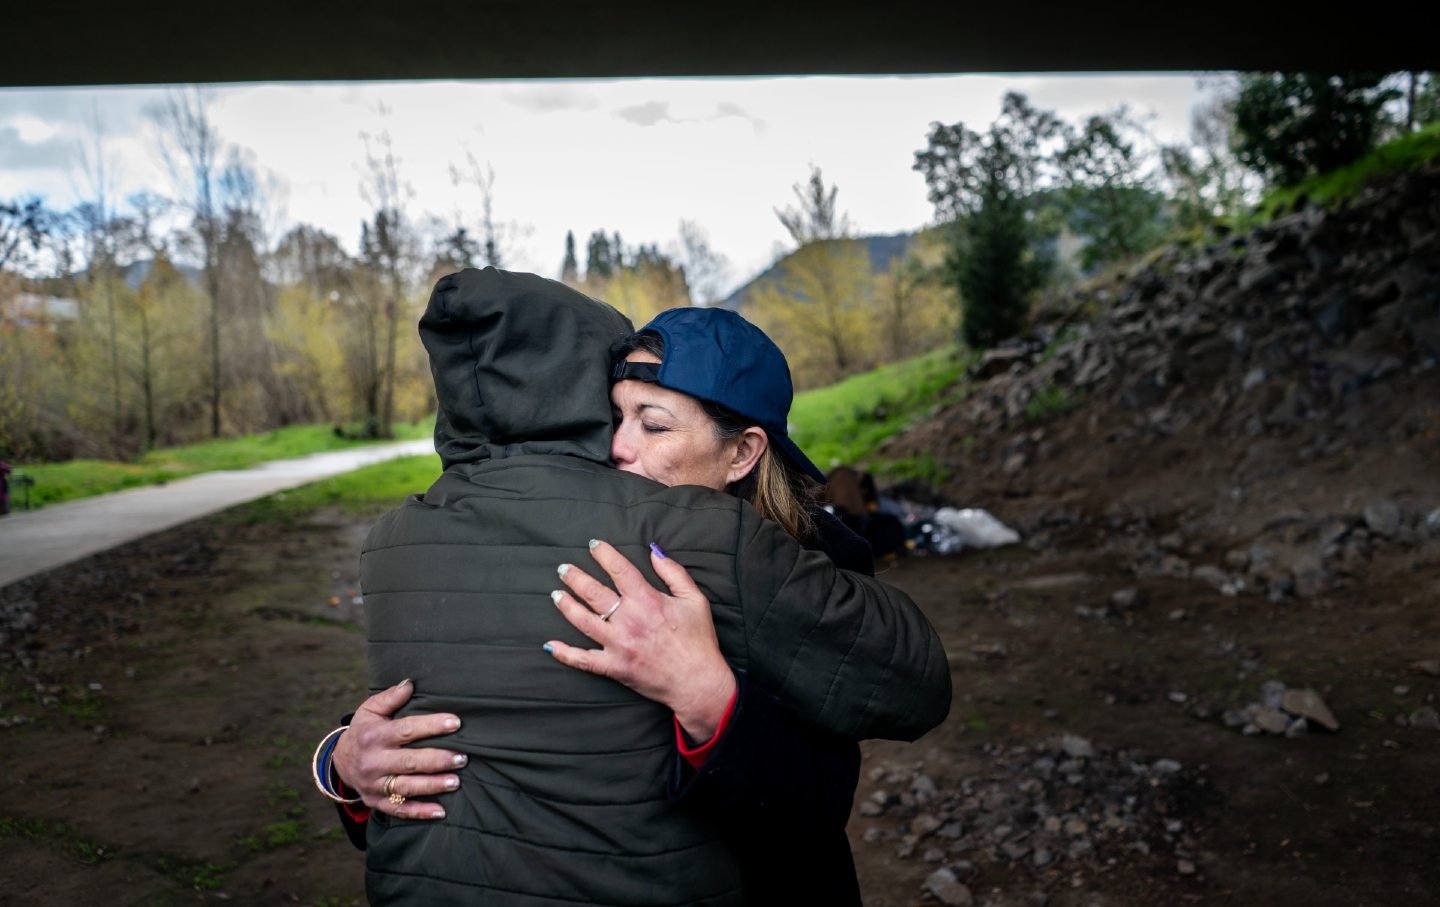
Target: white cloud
(551, 98)
(647, 114)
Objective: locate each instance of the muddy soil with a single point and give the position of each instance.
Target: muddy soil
(159, 704)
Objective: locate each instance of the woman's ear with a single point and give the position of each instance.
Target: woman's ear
(748, 446)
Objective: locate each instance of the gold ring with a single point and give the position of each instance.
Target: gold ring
(613, 608)
(391, 794)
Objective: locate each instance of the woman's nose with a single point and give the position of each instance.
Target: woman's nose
(621, 450)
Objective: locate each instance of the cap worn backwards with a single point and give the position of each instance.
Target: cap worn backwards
(716, 355)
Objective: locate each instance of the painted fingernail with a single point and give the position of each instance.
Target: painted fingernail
(460, 760)
(437, 814)
(452, 724)
(555, 596)
(548, 648)
(562, 570)
(452, 783)
(594, 543)
(658, 553)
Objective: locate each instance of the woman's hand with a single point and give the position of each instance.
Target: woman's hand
(661, 646)
(373, 749)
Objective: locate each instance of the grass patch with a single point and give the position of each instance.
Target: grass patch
(199, 875)
(847, 422)
(30, 829)
(923, 467)
(1051, 400)
(58, 482)
(377, 487)
(58, 836)
(1409, 152)
(277, 834)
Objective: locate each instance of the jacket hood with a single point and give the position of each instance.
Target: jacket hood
(521, 366)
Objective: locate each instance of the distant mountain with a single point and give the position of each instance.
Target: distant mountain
(136, 273)
(883, 250)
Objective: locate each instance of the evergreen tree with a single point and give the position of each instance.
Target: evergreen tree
(599, 261)
(984, 189)
(570, 269)
(457, 250)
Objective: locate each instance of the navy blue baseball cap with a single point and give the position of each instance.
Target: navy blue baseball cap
(716, 355)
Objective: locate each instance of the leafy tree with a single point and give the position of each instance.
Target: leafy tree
(984, 187)
(24, 223)
(1289, 126)
(1108, 190)
(1423, 105)
(649, 285)
(911, 301)
(821, 310)
(1207, 183)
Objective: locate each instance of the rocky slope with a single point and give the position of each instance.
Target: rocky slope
(1260, 415)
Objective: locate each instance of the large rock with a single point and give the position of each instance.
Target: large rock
(1383, 518)
(1308, 704)
(997, 362)
(947, 889)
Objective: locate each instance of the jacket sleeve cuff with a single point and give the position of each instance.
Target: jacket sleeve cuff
(696, 755)
(358, 812)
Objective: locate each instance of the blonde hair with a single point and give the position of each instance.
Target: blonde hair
(780, 494)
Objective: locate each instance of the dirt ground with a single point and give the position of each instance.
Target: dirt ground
(159, 704)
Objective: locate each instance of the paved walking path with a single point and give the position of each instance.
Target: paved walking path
(41, 540)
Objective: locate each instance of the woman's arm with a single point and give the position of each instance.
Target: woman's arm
(846, 652)
(373, 748)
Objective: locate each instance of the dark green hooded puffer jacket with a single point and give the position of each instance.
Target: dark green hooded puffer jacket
(564, 799)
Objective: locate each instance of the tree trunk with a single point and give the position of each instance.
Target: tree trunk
(392, 313)
(114, 356)
(147, 383)
(212, 281)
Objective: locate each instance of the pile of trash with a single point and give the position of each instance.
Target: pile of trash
(894, 526)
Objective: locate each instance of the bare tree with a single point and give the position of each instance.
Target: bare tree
(815, 217)
(386, 245)
(98, 217)
(191, 147)
(706, 271)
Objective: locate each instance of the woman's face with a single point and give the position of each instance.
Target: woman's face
(666, 436)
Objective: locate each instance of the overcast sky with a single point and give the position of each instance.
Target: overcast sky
(634, 156)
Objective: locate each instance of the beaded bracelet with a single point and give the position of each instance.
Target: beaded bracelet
(321, 769)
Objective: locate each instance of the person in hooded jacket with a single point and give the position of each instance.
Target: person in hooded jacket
(780, 790)
(564, 783)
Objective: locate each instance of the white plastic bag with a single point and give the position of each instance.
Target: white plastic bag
(976, 528)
